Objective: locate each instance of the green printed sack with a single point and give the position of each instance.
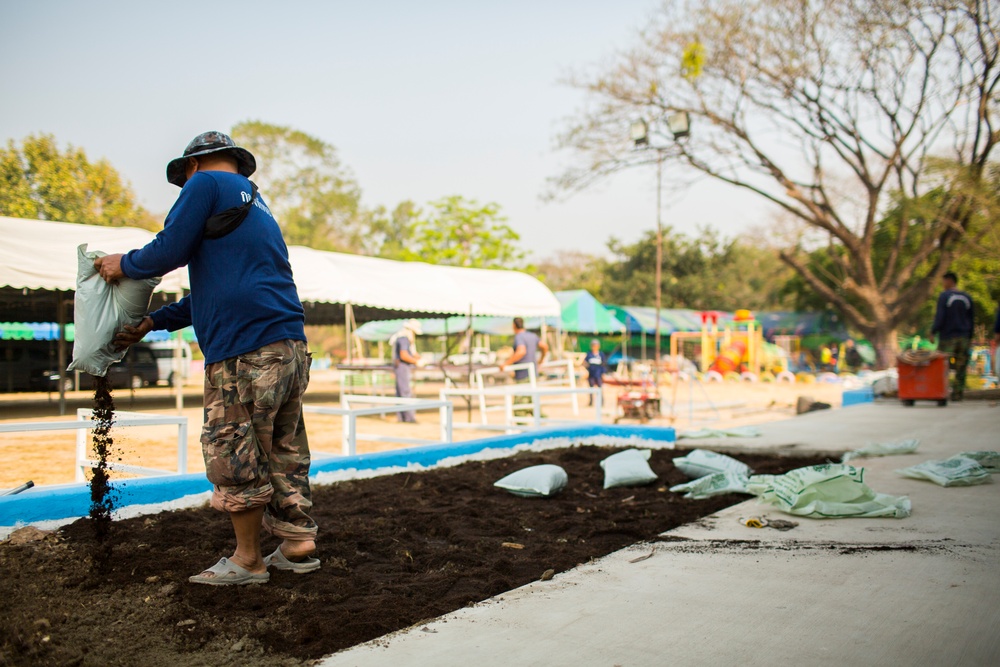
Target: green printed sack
(882, 449)
(828, 491)
(955, 471)
(701, 462)
(713, 485)
(989, 460)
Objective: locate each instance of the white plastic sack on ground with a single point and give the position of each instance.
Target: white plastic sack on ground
(701, 462)
(536, 481)
(989, 460)
(713, 485)
(101, 310)
(733, 432)
(826, 491)
(882, 449)
(628, 468)
(955, 471)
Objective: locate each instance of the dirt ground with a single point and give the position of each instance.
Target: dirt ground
(47, 457)
(396, 551)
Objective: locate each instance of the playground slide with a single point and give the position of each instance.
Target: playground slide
(730, 358)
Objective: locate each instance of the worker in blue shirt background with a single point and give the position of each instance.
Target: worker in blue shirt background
(596, 363)
(953, 322)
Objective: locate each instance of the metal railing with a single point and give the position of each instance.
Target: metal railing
(478, 382)
(383, 405)
(84, 422)
(565, 369)
(513, 421)
(379, 381)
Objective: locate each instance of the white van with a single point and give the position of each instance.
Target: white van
(164, 353)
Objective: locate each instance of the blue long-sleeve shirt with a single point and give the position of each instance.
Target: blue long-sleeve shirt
(242, 295)
(953, 317)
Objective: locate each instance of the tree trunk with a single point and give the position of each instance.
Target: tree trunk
(885, 340)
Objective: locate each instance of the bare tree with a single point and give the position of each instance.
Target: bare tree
(832, 110)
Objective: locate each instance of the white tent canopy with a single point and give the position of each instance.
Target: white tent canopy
(332, 277)
(37, 254)
(40, 255)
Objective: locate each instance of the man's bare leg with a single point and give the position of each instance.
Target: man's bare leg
(247, 527)
(295, 550)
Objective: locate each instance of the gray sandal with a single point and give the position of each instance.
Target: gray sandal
(278, 561)
(228, 573)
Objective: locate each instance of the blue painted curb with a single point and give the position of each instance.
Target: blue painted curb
(42, 504)
(858, 396)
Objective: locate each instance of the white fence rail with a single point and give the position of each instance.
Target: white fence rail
(513, 421)
(84, 422)
(383, 405)
(375, 381)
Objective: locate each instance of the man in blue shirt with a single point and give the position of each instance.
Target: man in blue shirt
(953, 321)
(596, 363)
(526, 351)
(249, 322)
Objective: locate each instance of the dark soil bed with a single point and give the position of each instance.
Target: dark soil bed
(396, 550)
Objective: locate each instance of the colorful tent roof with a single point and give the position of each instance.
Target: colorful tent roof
(801, 324)
(582, 313)
(377, 330)
(639, 319)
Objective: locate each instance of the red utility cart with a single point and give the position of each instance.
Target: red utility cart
(924, 381)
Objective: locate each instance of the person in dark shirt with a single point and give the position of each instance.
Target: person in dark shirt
(249, 322)
(852, 357)
(953, 320)
(996, 328)
(596, 363)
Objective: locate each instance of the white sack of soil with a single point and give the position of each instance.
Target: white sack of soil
(955, 471)
(701, 462)
(535, 482)
(882, 449)
(628, 468)
(713, 485)
(829, 491)
(102, 310)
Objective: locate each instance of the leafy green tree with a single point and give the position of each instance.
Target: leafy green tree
(462, 232)
(829, 110)
(899, 237)
(704, 273)
(313, 195)
(390, 234)
(40, 181)
(572, 269)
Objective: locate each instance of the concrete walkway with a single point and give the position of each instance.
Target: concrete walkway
(924, 590)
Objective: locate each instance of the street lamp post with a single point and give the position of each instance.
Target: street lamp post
(679, 125)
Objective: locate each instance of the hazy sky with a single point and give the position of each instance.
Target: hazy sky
(422, 99)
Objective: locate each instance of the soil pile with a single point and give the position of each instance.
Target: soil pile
(396, 550)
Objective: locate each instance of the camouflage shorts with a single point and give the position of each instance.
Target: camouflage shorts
(254, 438)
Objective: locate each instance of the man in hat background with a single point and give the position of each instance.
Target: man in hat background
(249, 322)
(404, 358)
